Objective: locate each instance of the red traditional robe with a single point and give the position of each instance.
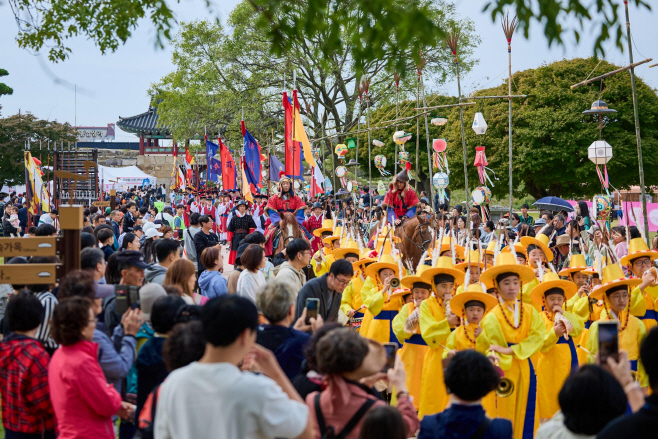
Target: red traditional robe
(311, 224)
(277, 206)
(402, 204)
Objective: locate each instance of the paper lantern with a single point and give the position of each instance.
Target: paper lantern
(381, 187)
(441, 180)
(439, 121)
(404, 157)
(341, 150)
(439, 145)
(297, 186)
(341, 171)
(377, 143)
(603, 206)
(599, 152)
(479, 124)
(380, 161)
(481, 195)
(353, 186)
(351, 142)
(400, 137)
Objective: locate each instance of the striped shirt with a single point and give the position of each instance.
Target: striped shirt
(49, 301)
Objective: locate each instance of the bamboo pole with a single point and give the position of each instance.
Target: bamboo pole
(358, 124)
(653, 65)
(429, 156)
(497, 97)
(637, 123)
(508, 29)
(367, 86)
(614, 72)
(461, 104)
(397, 77)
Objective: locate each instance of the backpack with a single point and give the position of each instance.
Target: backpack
(146, 419)
(329, 432)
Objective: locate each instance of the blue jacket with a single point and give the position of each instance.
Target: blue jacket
(151, 370)
(212, 284)
(461, 422)
(115, 365)
(287, 344)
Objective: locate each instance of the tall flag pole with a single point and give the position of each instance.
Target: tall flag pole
(508, 29)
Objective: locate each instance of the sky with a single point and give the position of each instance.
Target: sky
(116, 84)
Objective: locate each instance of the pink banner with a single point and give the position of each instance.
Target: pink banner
(652, 213)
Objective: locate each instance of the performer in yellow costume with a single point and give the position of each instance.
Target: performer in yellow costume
(384, 246)
(575, 273)
(639, 260)
(614, 293)
(323, 258)
(351, 302)
(539, 254)
(472, 305)
(558, 357)
(472, 268)
(406, 326)
(384, 303)
(516, 332)
(436, 319)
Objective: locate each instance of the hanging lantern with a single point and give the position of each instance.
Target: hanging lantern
(352, 162)
(353, 186)
(351, 143)
(440, 180)
(599, 152)
(440, 159)
(341, 150)
(439, 121)
(341, 171)
(481, 195)
(439, 145)
(404, 157)
(400, 137)
(603, 207)
(378, 143)
(380, 164)
(381, 187)
(479, 124)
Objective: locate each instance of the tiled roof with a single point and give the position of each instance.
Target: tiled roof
(145, 123)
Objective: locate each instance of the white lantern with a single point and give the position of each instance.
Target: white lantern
(599, 152)
(439, 121)
(377, 142)
(479, 124)
(441, 180)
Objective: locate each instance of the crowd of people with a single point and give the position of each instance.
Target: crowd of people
(319, 324)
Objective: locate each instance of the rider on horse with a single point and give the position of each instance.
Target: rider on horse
(285, 201)
(401, 200)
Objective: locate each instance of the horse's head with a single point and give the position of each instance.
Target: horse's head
(289, 227)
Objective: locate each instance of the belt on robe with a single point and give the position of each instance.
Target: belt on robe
(529, 419)
(416, 339)
(634, 365)
(588, 324)
(241, 231)
(650, 314)
(572, 350)
(358, 315)
(389, 316)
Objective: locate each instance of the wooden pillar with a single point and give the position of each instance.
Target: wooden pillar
(156, 143)
(141, 145)
(71, 222)
(113, 199)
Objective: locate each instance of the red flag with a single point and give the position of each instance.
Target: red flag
(292, 153)
(228, 167)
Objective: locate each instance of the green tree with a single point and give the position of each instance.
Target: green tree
(381, 25)
(15, 131)
(550, 133)
(4, 88)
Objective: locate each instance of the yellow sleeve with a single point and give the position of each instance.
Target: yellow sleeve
(323, 268)
(534, 340)
(346, 298)
(638, 303)
(491, 326)
(593, 342)
(460, 289)
(581, 307)
(571, 302)
(482, 342)
(577, 323)
(653, 292)
(434, 332)
(451, 343)
(550, 340)
(375, 303)
(398, 324)
(525, 293)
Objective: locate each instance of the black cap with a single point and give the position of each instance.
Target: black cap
(131, 257)
(137, 228)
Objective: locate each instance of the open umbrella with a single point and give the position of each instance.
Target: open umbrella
(554, 204)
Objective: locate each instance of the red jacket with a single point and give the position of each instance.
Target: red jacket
(83, 401)
(26, 406)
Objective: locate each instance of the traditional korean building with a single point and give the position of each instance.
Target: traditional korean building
(146, 127)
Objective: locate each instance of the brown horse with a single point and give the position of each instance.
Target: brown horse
(415, 237)
(289, 229)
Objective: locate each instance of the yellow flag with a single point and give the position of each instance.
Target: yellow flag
(300, 136)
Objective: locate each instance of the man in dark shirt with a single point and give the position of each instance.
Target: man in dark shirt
(328, 288)
(641, 424)
(203, 239)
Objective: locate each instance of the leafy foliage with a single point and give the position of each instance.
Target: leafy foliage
(4, 88)
(15, 131)
(550, 133)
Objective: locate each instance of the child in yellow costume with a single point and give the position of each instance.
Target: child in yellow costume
(384, 303)
(639, 260)
(323, 258)
(472, 305)
(351, 302)
(574, 272)
(558, 357)
(616, 303)
(516, 332)
(539, 254)
(488, 254)
(436, 319)
(406, 326)
(472, 268)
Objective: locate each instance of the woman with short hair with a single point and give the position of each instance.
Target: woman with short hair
(251, 279)
(211, 282)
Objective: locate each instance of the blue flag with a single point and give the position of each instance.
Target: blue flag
(276, 167)
(251, 158)
(215, 170)
(211, 150)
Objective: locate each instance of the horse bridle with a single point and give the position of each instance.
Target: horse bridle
(420, 232)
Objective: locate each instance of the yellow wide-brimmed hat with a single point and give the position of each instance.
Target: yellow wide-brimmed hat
(387, 261)
(576, 263)
(552, 280)
(351, 247)
(367, 255)
(445, 246)
(443, 265)
(473, 292)
(491, 248)
(637, 248)
(409, 280)
(590, 271)
(334, 237)
(540, 241)
(506, 263)
(519, 249)
(613, 276)
(327, 226)
(471, 258)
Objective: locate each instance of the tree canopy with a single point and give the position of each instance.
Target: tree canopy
(4, 88)
(550, 133)
(379, 27)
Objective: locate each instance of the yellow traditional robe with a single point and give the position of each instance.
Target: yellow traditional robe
(435, 329)
(557, 359)
(412, 353)
(369, 288)
(525, 341)
(325, 264)
(630, 340)
(650, 316)
(525, 293)
(351, 297)
(383, 311)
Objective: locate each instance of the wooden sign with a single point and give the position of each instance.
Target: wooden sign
(101, 203)
(28, 274)
(36, 246)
